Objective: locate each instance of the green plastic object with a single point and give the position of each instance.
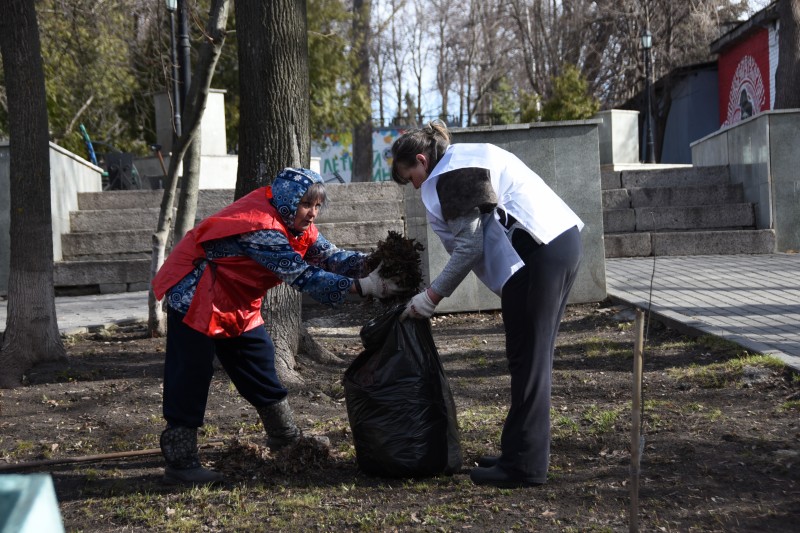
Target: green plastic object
(28, 504)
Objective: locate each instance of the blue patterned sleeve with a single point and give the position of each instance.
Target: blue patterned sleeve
(327, 256)
(272, 250)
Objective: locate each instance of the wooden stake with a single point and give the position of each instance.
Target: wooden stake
(636, 419)
(90, 458)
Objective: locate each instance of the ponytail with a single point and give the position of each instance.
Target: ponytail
(431, 140)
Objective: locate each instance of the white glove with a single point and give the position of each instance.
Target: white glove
(376, 286)
(420, 306)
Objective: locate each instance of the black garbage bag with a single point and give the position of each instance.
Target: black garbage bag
(399, 403)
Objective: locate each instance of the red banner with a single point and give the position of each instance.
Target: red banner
(744, 79)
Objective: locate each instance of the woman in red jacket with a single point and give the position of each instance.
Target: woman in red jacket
(214, 280)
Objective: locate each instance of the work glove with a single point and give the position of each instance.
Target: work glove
(376, 286)
(420, 306)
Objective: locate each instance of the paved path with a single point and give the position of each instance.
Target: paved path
(79, 314)
(753, 300)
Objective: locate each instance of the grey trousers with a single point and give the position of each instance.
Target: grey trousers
(533, 302)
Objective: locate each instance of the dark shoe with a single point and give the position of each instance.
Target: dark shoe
(497, 477)
(485, 461)
(191, 476)
(179, 448)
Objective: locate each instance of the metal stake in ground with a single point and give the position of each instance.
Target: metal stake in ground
(637, 441)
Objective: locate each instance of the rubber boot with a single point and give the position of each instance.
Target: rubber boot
(279, 425)
(179, 448)
(488, 461)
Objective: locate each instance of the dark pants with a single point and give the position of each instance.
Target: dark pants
(533, 302)
(249, 360)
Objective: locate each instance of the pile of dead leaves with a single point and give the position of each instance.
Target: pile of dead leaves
(247, 458)
(399, 259)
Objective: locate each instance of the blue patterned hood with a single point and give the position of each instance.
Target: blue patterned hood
(287, 190)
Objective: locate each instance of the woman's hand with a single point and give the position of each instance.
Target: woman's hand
(422, 305)
(376, 286)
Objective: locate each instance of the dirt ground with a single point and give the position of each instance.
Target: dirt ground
(721, 437)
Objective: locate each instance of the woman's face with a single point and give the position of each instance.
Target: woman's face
(307, 211)
(415, 174)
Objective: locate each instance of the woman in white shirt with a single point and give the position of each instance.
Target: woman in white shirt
(497, 218)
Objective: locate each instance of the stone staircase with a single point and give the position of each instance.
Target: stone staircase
(109, 244)
(681, 210)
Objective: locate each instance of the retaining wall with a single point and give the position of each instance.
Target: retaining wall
(763, 156)
(69, 175)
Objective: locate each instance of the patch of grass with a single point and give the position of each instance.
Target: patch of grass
(336, 390)
(298, 502)
(600, 420)
(21, 448)
(210, 431)
(685, 344)
(250, 427)
(479, 417)
(695, 407)
(717, 344)
(563, 426)
(718, 375)
(120, 444)
(598, 346)
(790, 405)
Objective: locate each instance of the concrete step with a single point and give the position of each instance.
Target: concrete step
(103, 220)
(616, 199)
(137, 243)
(672, 196)
(104, 276)
(611, 175)
(114, 220)
(686, 196)
(95, 270)
(644, 244)
(212, 200)
(675, 177)
(96, 201)
(342, 211)
(726, 216)
(90, 245)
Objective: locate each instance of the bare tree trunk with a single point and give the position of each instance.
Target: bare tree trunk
(193, 112)
(190, 185)
(362, 133)
(31, 334)
(398, 56)
(274, 133)
(787, 77)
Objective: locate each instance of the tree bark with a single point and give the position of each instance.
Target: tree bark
(362, 133)
(274, 133)
(193, 111)
(31, 334)
(787, 76)
(190, 186)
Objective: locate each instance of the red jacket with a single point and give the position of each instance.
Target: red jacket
(227, 301)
